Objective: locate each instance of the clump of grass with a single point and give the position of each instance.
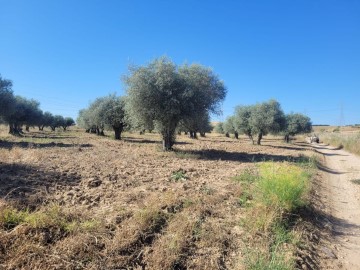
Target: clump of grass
(356, 181)
(337, 129)
(275, 190)
(257, 260)
(247, 176)
(10, 218)
(179, 175)
(282, 185)
(151, 220)
(51, 216)
(207, 190)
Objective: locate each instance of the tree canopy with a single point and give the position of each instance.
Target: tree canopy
(164, 93)
(296, 123)
(267, 117)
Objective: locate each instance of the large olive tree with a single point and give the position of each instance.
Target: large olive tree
(164, 93)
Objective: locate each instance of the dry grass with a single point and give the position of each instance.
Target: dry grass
(349, 141)
(72, 200)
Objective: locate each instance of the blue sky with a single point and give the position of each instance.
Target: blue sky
(305, 54)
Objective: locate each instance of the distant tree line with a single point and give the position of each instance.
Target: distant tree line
(160, 96)
(17, 112)
(256, 121)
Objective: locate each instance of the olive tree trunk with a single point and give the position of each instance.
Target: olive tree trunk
(14, 129)
(192, 135)
(118, 130)
(260, 135)
(251, 138)
(168, 139)
(287, 138)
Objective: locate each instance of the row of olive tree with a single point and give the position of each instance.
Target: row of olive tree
(17, 111)
(161, 96)
(264, 118)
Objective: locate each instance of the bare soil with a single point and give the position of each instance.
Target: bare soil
(340, 194)
(158, 210)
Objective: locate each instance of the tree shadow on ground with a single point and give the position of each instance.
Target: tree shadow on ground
(10, 145)
(53, 137)
(324, 168)
(147, 141)
(29, 186)
(43, 135)
(329, 154)
(318, 228)
(213, 154)
(230, 140)
(289, 147)
(322, 220)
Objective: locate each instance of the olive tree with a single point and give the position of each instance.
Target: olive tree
(266, 117)
(105, 113)
(241, 121)
(84, 121)
(56, 121)
(199, 122)
(112, 112)
(296, 123)
(68, 121)
(219, 128)
(93, 118)
(45, 120)
(163, 93)
(229, 127)
(25, 112)
(34, 114)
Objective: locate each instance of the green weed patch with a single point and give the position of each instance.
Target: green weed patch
(272, 193)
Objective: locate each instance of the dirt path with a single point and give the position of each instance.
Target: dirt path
(341, 192)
